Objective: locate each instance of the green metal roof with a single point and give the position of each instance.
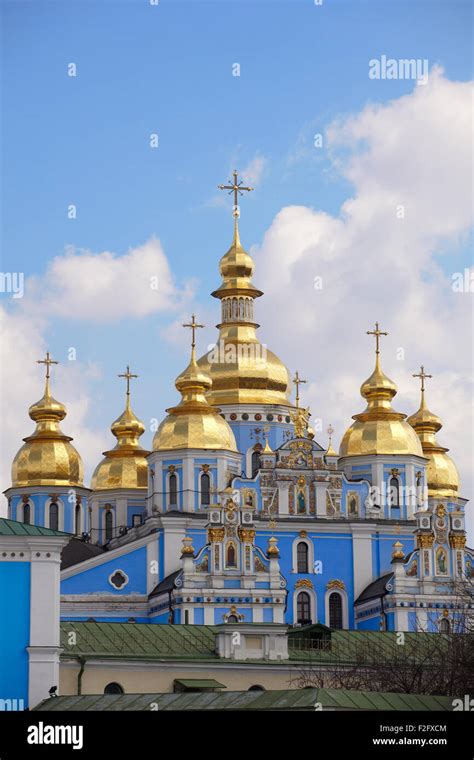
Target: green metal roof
(150, 641)
(364, 647)
(145, 641)
(200, 683)
(294, 699)
(15, 528)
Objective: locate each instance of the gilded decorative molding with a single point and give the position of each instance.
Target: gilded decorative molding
(425, 541)
(335, 583)
(215, 534)
(304, 583)
(247, 535)
(457, 542)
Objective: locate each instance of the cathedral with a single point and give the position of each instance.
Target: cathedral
(238, 514)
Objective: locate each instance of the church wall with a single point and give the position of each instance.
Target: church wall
(14, 635)
(96, 579)
(153, 677)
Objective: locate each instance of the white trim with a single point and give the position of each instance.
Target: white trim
(310, 545)
(47, 506)
(345, 606)
(312, 602)
(118, 570)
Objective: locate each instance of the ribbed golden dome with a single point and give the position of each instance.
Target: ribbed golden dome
(47, 457)
(194, 423)
(243, 371)
(379, 429)
(441, 472)
(124, 466)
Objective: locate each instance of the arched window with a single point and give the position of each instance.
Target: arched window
(231, 558)
(256, 687)
(444, 626)
(27, 513)
(173, 488)
(303, 608)
(54, 516)
(78, 519)
(302, 557)
(109, 522)
(232, 619)
(394, 493)
(205, 489)
(113, 688)
(255, 463)
(335, 610)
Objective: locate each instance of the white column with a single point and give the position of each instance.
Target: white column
(321, 488)
(44, 649)
(283, 498)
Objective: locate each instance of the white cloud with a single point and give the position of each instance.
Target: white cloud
(86, 287)
(103, 287)
(22, 342)
(253, 172)
(411, 153)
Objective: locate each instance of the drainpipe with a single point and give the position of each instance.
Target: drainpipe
(82, 661)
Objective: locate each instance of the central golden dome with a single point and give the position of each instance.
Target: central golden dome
(124, 466)
(379, 429)
(441, 472)
(242, 370)
(47, 457)
(194, 423)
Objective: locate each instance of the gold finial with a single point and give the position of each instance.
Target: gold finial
(398, 550)
(128, 376)
(273, 550)
(236, 188)
(298, 381)
(376, 333)
(422, 375)
(193, 325)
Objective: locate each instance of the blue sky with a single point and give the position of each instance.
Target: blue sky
(168, 69)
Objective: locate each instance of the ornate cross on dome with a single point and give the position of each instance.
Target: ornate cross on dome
(298, 381)
(128, 376)
(48, 361)
(422, 375)
(236, 188)
(193, 325)
(377, 333)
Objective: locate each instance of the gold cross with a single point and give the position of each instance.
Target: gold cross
(48, 363)
(193, 325)
(297, 381)
(128, 375)
(377, 333)
(236, 188)
(422, 375)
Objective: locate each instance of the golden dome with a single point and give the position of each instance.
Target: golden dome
(242, 370)
(47, 457)
(441, 472)
(379, 429)
(124, 466)
(194, 423)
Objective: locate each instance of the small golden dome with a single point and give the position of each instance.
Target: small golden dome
(273, 550)
(242, 370)
(47, 457)
(441, 472)
(194, 423)
(124, 466)
(379, 429)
